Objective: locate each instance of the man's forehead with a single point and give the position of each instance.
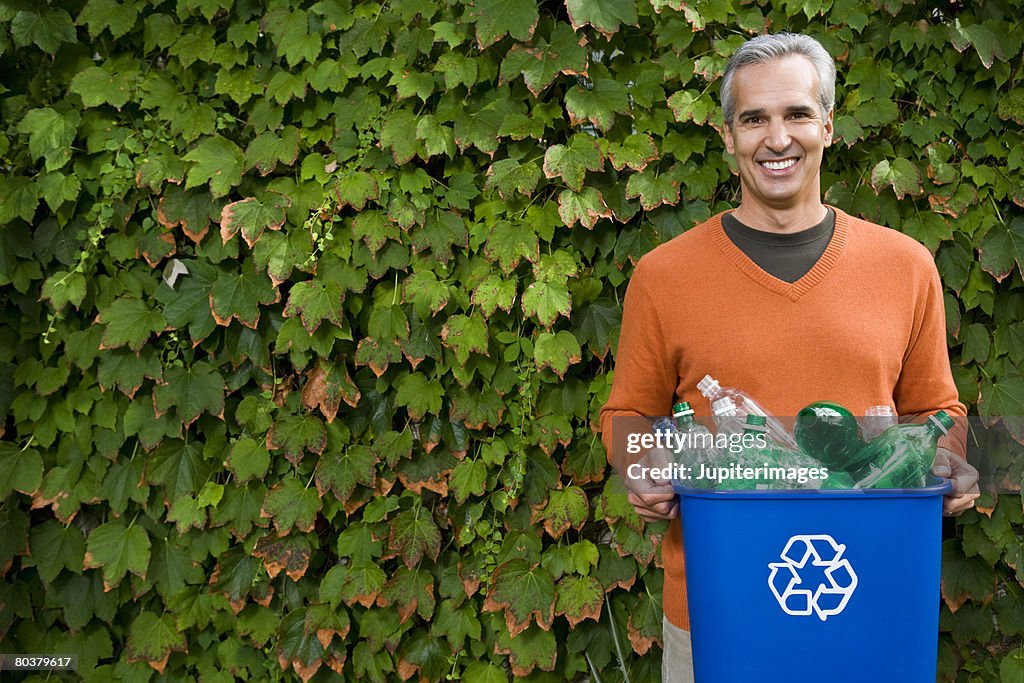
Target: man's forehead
(793, 75)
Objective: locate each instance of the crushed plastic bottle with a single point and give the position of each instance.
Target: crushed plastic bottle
(744, 404)
(876, 420)
(902, 456)
(829, 433)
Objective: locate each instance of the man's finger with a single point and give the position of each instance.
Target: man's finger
(953, 506)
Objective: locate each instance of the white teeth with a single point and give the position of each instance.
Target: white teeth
(778, 165)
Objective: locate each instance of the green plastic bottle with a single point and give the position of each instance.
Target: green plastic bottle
(698, 445)
(829, 433)
(902, 456)
(753, 456)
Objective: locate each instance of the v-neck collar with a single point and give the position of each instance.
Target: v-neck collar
(791, 290)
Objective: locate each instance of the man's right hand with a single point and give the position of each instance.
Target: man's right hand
(653, 507)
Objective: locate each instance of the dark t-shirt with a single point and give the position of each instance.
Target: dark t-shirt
(787, 257)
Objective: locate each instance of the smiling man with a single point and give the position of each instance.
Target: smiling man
(784, 297)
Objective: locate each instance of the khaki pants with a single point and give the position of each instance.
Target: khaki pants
(677, 661)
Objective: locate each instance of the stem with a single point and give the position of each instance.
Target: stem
(618, 645)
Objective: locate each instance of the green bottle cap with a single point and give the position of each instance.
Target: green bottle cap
(759, 420)
(681, 409)
(942, 421)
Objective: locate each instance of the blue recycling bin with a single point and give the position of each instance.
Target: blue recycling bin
(813, 586)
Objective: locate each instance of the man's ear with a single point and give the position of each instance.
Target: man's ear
(829, 129)
(727, 138)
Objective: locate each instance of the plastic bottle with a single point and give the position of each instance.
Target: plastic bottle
(876, 420)
(696, 444)
(744, 404)
(756, 453)
(902, 456)
(829, 433)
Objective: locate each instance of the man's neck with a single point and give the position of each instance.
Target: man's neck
(781, 220)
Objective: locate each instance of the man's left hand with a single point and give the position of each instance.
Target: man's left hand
(965, 481)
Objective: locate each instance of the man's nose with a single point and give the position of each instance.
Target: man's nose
(778, 136)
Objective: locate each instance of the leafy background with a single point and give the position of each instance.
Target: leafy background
(307, 311)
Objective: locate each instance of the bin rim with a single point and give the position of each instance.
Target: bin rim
(939, 487)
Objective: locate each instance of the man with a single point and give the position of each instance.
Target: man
(786, 298)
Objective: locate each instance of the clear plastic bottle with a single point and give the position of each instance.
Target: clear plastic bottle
(876, 420)
(744, 404)
(696, 444)
(902, 456)
(756, 453)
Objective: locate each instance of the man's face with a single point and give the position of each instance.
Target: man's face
(778, 135)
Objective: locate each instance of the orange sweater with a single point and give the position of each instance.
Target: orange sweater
(865, 326)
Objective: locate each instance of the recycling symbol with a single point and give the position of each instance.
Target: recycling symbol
(813, 577)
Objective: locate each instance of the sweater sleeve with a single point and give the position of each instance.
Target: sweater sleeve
(644, 379)
(926, 382)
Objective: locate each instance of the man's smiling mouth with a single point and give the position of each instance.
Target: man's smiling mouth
(780, 165)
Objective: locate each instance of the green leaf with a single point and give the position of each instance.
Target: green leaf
(127, 371)
(340, 473)
(315, 301)
(1004, 399)
(981, 38)
(355, 189)
(118, 550)
(192, 210)
(509, 176)
(180, 467)
(19, 198)
(413, 535)
(152, 639)
(1011, 669)
(556, 351)
(566, 509)
(456, 624)
(46, 29)
(541, 63)
(54, 547)
(192, 391)
(268, 149)
(412, 591)
(585, 207)
(524, 592)
(636, 151)
(419, 395)
(469, 478)
(901, 174)
(298, 647)
(930, 229)
(495, 18)
(976, 344)
(440, 233)
(188, 302)
(1002, 249)
(653, 189)
(426, 292)
(579, 598)
(595, 325)
(964, 578)
(20, 470)
(689, 105)
(598, 104)
(50, 135)
(484, 672)
(494, 292)
(571, 162)
(108, 14)
(248, 459)
(603, 15)
(56, 188)
(546, 301)
(532, 649)
(296, 434)
(290, 504)
(240, 294)
(129, 321)
(465, 334)
(507, 243)
(252, 217)
(219, 162)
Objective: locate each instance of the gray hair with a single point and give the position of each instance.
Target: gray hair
(767, 48)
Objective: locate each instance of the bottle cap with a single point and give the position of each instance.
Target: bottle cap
(708, 386)
(681, 409)
(724, 407)
(759, 420)
(880, 411)
(942, 420)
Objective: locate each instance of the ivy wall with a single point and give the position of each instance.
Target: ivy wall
(307, 311)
